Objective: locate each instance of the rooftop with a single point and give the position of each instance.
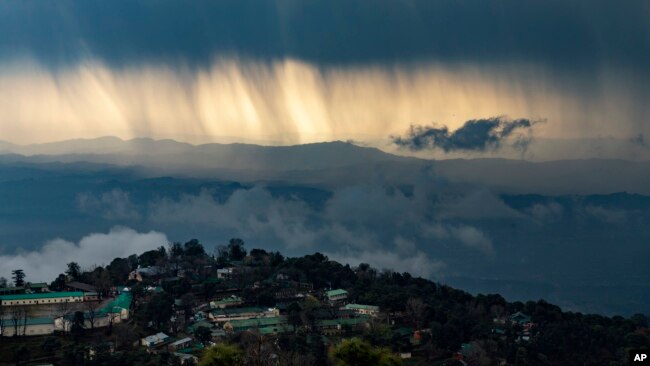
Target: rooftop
(81, 286)
(122, 301)
(42, 295)
(361, 307)
(336, 292)
(236, 311)
(283, 328)
(181, 341)
(258, 322)
(39, 321)
(156, 337)
(349, 321)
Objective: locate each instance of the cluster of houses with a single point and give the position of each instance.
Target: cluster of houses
(230, 314)
(35, 310)
(519, 322)
(227, 313)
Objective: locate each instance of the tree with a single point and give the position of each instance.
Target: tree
(203, 334)
(236, 251)
(50, 345)
(188, 302)
(100, 278)
(194, 248)
(640, 320)
(222, 355)
(415, 310)
(522, 357)
(159, 309)
(276, 259)
(62, 309)
(18, 276)
(3, 282)
(119, 270)
(133, 261)
(58, 284)
(293, 315)
(18, 317)
(74, 271)
(151, 257)
(92, 310)
(77, 327)
(3, 321)
(354, 352)
(21, 353)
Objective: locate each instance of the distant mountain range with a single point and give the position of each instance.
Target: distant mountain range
(336, 163)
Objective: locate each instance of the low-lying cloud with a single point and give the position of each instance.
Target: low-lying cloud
(44, 264)
(466, 235)
(384, 227)
(475, 135)
(417, 264)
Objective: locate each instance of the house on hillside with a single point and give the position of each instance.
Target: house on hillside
(269, 325)
(337, 326)
(180, 344)
(520, 318)
(187, 359)
(155, 339)
(227, 314)
(141, 272)
(29, 288)
(363, 309)
(336, 296)
(225, 273)
(41, 298)
(226, 302)
(89, 291)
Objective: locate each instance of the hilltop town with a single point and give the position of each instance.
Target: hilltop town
(181, 305)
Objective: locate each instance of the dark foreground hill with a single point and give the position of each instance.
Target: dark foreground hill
(323, 313)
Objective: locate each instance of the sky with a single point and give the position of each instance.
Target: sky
(531, 80)
(290, 72)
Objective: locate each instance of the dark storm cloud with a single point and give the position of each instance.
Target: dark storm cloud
(474, 135)
(588, 33)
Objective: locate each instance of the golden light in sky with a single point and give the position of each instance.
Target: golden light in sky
(289, 102)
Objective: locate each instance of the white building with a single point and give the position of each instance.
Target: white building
(154, 340)
(43, 298)
(363, 309)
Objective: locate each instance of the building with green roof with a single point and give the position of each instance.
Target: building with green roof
(520, 318)
(27, 289)
(226, 302)
(227, 314)
(30, 327)
(120, 305)
(41, 298)
(240, 325)
(336, 296)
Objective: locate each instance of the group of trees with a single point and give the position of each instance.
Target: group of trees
(350, 352)
(18, 277)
